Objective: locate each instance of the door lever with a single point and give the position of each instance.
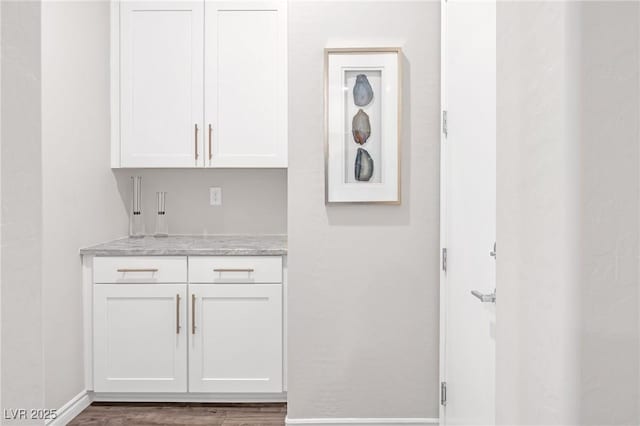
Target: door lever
(485, 298)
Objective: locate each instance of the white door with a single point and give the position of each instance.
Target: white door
(140, 337)
(161, 83)
(469, 212)
(235, 338)
(245, 83)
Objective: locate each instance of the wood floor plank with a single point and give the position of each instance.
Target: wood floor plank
(181, 414)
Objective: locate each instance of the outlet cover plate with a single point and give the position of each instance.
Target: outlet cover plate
(215, 196)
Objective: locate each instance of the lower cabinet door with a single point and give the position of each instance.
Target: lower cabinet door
(235, 335)
(140, 337)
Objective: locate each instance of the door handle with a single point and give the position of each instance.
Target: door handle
(485, 298)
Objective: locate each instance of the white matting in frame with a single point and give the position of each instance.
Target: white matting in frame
(362, 125)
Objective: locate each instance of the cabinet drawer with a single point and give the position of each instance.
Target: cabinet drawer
(235, 269)
(147, 269)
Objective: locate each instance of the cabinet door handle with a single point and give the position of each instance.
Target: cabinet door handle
(210, 132)
(196, 139)
(193, 314)
(234, 270)
(178, 314)
(138, 270)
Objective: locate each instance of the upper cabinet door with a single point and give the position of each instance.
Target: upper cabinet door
(161, 84)
(245, 83)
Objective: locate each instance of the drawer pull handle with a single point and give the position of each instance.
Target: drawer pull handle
(138, 270)
(234, 270)
(178, 314)
(193, 314)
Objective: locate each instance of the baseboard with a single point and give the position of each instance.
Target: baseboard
(188, 397)
(71, 409)
(363, 421)
(77, 404)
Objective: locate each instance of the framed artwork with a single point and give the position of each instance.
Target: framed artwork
(362, 125)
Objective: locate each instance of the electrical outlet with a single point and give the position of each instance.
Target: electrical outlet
(215, 196)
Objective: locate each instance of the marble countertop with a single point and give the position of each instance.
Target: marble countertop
(193, 245)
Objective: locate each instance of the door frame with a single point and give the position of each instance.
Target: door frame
(444, 185)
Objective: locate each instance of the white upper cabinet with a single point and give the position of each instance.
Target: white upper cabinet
(245, 83)
(161, 83)
(199, 84)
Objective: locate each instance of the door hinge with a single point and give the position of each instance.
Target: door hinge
(445, 125)
(443, 393)
(444, 259)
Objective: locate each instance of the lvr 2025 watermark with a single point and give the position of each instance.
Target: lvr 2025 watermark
(28, 414)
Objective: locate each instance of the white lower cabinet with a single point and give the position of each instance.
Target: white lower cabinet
(223, 335)
(140, 337)
(235, 338)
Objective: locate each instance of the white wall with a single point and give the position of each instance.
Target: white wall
(21, 322)
(567, 312)
(609, 108)
(537, 343)
(254, 201)
(363, 294)
(80, 199)
(1, 223)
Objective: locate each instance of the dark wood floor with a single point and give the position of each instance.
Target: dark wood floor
(151, 414)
